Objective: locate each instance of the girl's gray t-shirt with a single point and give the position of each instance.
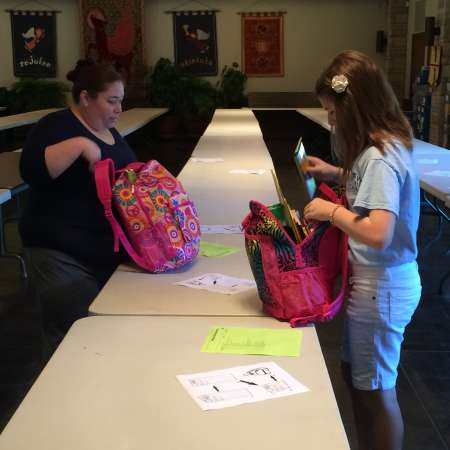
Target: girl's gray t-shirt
(386, 181)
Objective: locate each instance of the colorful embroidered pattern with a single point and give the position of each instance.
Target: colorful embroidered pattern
(295, 282)
(160, 219)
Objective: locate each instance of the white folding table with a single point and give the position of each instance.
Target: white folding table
(112, 384)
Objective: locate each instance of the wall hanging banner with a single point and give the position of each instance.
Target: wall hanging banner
(34, 43)
(195, 42)
(262, 44)
(112, 32)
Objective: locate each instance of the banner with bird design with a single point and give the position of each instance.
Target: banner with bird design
(34, 43)
(262, 44)
(195, 42)
(112, 32)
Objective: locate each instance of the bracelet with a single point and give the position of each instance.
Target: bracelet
(333, 212)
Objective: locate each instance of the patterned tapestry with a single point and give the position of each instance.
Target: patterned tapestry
(112, 31)
(34, 43)
(262, 44)
(195, 42)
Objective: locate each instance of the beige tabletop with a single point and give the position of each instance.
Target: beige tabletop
(233, 122)
(9, 171)
(28, 118)
(128, 292)
(112, 384)
(222, 197)
(433, 162)
(5, 195)
(318, 115)
(135, 118)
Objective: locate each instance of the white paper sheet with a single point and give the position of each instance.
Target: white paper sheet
(221, 229)
(248, 171)
(427, 161)
(217, 282)
(439, 173)
(206, 160)
(241, 384)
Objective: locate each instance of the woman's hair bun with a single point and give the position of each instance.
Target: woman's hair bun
(81, 64)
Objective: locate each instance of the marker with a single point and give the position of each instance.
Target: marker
(248, 382)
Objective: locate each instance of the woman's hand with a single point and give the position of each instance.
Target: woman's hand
(323, 171)
(59, 157)
(90, 152)
(318, 209)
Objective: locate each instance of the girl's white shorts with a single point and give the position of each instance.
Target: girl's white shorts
(381, 303)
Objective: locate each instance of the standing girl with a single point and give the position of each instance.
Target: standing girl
(377, 167)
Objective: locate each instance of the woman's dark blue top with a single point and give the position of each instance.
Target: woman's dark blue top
(64, 213)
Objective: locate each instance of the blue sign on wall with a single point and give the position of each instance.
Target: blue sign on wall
(34, 43)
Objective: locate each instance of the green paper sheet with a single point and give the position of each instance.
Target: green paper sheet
(253, 341)
(214, 250)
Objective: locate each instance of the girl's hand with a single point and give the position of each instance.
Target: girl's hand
(323, 171)
(318, 209)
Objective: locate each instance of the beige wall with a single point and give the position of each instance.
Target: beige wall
(315, 30)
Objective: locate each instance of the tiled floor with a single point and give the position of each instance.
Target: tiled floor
(424, 376)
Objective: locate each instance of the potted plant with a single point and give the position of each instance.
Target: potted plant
(164, 90)
(3, 100)
(30, 94)
(198, 103)
(231, 87)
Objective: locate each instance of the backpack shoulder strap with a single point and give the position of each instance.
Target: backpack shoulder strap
(104, 178)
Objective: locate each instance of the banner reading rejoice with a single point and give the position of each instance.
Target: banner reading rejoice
(262, 44)
(34, 43)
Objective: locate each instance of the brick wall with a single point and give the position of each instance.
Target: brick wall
(396, 49)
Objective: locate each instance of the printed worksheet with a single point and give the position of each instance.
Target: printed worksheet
(217, 282)
(241, 384)
(221, 229)
(248, 171)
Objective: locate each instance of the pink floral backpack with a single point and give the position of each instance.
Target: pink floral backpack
(304, 282)
(162, 229)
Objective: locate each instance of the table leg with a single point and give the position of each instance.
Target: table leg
(4, 253)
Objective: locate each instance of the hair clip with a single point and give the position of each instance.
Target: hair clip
(339, 83)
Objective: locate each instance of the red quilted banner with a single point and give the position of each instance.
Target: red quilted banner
(112, 32)
(262, 45)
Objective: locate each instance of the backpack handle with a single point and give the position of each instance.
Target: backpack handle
(104, 178)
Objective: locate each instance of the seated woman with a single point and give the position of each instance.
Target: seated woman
(68, 242)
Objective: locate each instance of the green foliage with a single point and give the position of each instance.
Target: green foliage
(199, 97)
(231, 87)
(184, 94)
(30, 94)
(164, 85)
(3, 96)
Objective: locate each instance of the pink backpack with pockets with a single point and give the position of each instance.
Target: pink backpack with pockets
(298, 282)
(159, 226)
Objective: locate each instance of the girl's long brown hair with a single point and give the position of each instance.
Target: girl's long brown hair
(367, 112)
